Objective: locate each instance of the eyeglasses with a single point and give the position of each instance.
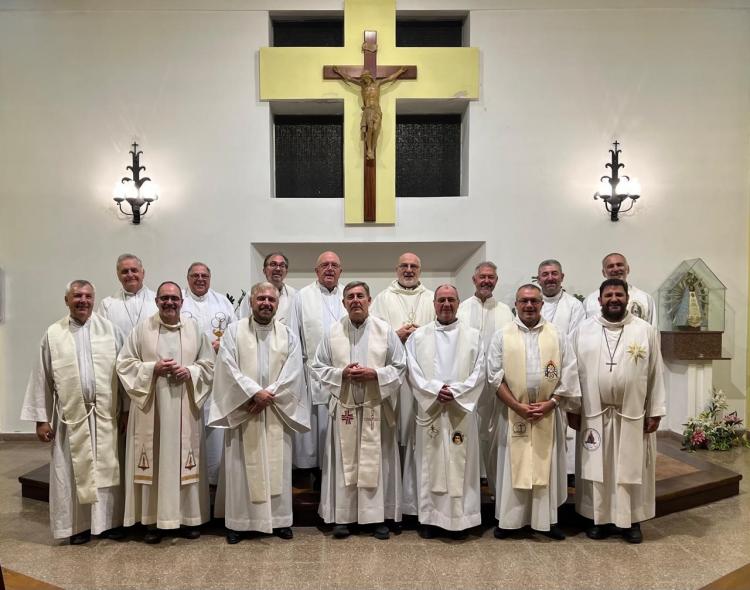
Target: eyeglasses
(529, 301)
(196, 275)
(277, 264)
(167, 298)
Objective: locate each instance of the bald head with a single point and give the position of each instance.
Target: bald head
(409, 270)
(328, 269)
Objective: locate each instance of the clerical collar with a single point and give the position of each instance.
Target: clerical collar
(614, 325)
(194, 297)
(176, 326)
(525, 328)
(554, 298)
(446, 327)
(396, 287)
(127, 294)
(324, 289)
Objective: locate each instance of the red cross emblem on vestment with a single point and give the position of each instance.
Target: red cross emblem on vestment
(347, 417)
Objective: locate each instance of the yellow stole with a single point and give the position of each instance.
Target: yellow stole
(190, 416)
(361, 458)
(530, 445)
(263, 433)
(446, 459)
(73, 410)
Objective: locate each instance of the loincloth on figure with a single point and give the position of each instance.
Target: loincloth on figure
(371, 116)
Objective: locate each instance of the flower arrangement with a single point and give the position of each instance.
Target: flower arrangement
(708, 430)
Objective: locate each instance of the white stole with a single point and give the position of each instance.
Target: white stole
(263, 433)
(145, 415)
(361, 462)
(74, 413)
(530, 444)
(445, 422)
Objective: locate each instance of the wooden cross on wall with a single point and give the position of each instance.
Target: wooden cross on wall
(380, 74)
(291, 74)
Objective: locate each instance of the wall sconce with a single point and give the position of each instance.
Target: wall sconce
(613, 190)
(136, 191)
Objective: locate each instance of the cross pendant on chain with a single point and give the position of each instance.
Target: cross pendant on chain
(610, 364)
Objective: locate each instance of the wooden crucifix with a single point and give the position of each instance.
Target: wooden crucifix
(370, 78)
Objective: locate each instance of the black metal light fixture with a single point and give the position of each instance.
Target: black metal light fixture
(615, 189)
(136, 191)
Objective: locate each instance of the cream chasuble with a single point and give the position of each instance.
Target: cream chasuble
(126, 310)
(255, 489)
(531, 480)
(165, 465)
(620, 368)
(447, 441)
(74, 387)
(314, 311)
(640, 304)
(361, 467)
(213, 312)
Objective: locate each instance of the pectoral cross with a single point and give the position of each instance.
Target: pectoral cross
(610, 364)
(371, 419)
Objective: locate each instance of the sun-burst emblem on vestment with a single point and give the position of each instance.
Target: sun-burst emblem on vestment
(636, 351)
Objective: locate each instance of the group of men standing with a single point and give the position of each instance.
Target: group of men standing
(404, 401)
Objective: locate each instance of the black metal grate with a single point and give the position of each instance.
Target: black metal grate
(309, 156)
(429, 33)
(428, 155)
(308, 33)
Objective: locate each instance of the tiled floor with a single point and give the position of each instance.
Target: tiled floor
(682, 551)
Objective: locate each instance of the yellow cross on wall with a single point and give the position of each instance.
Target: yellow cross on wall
(296, 73)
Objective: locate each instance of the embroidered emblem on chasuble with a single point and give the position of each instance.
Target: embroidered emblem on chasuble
(530, 444)
(591, 439)
(637, 310)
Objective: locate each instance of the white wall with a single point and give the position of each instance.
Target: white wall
(558, 85)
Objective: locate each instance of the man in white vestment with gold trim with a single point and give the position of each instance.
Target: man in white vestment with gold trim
(360, 365)
(73, 396)
(640, 303)
(166, 367)
(258, 398)
(446, 371)
(315, 309)
(406, 304)
(621, 374)
(275, 268)
(533, 371)
(213, 312)
(134, 302)
(483, 312)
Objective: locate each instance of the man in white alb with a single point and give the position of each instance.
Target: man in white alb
(446, 370)
(640, 303)
(258, 397)
(166, 367)
(620, 367)
(134, 302)
(360, 365)
(483, 312)
(315, 309)
(213, 312)
(533, 371)
(275, 268)
(406, 304)
(566, 313)
(73, 397)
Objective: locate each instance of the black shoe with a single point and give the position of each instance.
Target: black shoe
(502, 533)
(284, 532)
(341, 531)
(381, 532)
(395, 527)
(191, 532)
(427, 531)
(459, 535)
(233, 537)
(633, 534)
(554, 532)
(116, 534)
(152, 536)
(80, 538)
(599, 531)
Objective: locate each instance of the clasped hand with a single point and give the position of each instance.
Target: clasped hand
(261, 400)
(170, 369)
(534, 412)
(359, 374)
(445, 394)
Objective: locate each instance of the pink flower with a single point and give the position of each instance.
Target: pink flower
(732, 419)
(698, 438)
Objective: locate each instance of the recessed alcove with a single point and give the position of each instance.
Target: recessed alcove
(375, 262)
